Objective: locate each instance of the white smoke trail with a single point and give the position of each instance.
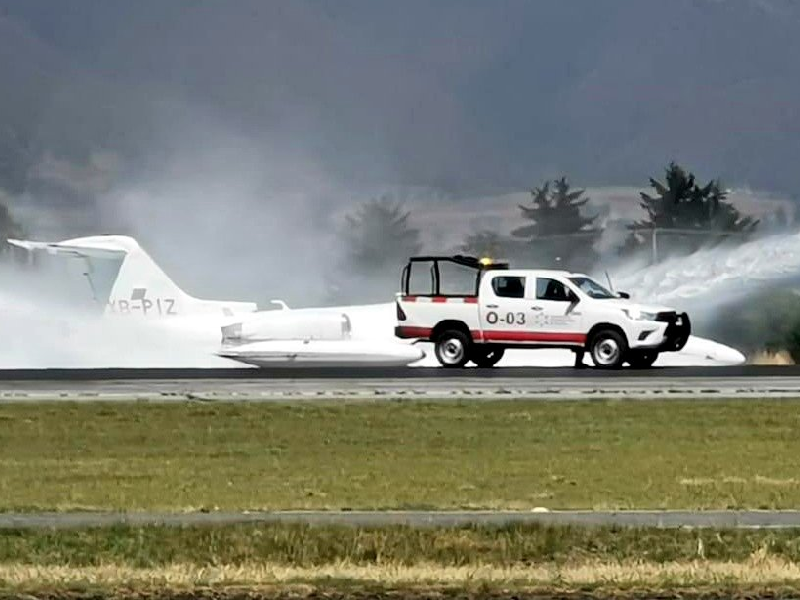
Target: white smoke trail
(716, 276)
(42, 330)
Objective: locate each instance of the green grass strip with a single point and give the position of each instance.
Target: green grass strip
(512, 455)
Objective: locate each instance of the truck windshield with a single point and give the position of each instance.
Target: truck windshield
(591, 288)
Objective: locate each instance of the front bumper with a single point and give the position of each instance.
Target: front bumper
(679, 328)
(668, 333)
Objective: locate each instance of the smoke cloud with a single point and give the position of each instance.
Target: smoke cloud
(229, 139)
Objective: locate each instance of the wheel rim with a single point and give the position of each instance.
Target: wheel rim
(451, 351)
(606, 351)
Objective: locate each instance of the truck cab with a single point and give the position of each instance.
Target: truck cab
(473, 310)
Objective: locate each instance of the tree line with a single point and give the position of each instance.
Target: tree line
(556, 229)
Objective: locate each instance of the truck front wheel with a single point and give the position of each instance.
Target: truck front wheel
(608, 349)
(452, 348)
(642, 359)
(484, 356)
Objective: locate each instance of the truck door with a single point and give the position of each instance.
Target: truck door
(505, 312)
(558, 317)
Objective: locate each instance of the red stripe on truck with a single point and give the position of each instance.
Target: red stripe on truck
(441, 299)
(533, 336)
(409, 331)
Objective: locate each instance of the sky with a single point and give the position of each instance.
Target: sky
(454, 93)
(252, 123)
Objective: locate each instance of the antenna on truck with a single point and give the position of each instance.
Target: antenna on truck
(610, 284)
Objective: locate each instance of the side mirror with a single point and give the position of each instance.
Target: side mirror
(624, 295)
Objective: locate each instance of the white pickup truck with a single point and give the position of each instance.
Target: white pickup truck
(472, 310)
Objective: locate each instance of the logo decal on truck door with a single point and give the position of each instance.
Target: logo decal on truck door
(543, 320)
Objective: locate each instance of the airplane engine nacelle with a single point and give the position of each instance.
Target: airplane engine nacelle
(288, 325)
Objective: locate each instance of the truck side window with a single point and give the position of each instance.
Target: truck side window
(509, 287)
(551, 289)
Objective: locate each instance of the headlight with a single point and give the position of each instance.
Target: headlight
(635, 314)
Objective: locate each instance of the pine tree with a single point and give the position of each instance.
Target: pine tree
(377, 241)
(378, 234)
(556, 212)
(559, 233)
(681, 204)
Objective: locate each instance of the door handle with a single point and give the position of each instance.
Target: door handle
(536, 308)
(491, 306)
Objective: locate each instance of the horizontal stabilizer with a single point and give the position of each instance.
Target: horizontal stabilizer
(138, 287)
(69, 250)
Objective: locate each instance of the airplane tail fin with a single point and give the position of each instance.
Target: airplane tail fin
(129, 282)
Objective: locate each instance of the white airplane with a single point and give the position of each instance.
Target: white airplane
(142, 296)
(161, 325)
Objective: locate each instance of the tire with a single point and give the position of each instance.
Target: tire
(608, 348)
(486, 357)
(639, 359)
(452, 348)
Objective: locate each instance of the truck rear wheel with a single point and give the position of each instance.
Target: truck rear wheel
(486, 357)
(608, 349)
(452, 348)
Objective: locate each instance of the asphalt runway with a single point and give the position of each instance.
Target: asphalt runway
(294, 384)
(367, 373)
(661, 519)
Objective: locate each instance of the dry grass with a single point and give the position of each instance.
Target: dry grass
(310, 547)
(781, 357)
(287, 561)
(757, 571)
(755, 480)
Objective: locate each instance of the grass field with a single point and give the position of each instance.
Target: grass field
(515, 455)
(279, 559)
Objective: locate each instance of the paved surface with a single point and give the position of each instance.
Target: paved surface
(663, 519)
(367, 373)
(397, 383)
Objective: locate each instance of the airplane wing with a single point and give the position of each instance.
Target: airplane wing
(66, 249)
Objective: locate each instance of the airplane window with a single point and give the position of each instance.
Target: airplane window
(509, 287)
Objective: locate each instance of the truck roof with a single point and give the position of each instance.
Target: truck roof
(541, 272)
(463, 259)
(489, 264)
